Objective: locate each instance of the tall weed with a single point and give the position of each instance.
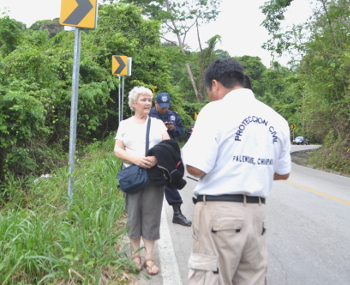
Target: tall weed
(49, 238)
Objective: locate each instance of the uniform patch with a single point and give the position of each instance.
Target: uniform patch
(164, 99)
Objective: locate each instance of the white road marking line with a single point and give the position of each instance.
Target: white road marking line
(168, 263)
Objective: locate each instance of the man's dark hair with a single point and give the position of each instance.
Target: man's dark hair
(247, 82)
(226, 71)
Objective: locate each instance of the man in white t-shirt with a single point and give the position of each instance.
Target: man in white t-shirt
(238, 147)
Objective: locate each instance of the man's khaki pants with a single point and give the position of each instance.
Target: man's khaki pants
(229, 244)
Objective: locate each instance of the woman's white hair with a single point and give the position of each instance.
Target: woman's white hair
(135, 93)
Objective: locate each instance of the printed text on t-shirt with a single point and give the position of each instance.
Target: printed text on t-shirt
(252, 160)
(257, 120)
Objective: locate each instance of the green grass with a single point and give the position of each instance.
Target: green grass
(48, 238)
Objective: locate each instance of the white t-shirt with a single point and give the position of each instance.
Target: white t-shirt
(239, 143)
(133, 135)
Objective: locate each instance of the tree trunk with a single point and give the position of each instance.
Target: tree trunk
(182, 45)
(190, 74)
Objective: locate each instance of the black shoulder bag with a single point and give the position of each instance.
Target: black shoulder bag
(133, 178)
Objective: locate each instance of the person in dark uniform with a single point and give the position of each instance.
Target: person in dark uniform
(175, 130)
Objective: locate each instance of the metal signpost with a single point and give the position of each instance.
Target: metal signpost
(293, 127)
(74, 110)
(121, 66)
(82, 16)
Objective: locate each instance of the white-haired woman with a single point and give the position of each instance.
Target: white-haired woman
(144, 207)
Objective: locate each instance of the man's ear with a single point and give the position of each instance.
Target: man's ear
(215, 86)
(214, 83)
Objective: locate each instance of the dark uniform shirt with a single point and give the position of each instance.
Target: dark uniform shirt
(170, 116)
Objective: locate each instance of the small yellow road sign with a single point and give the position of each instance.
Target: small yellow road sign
(119, 65)
(195, 115)
(293, 127)
(79, 13)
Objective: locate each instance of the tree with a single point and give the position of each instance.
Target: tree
(325, 70)
(282, 91)
(36, 80)
(206, 56)
(322, 73)
(274, 11)
(178, 17)
(10, 34)
(254, 68)
(53, 26)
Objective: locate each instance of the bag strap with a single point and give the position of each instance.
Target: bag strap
(147, 134)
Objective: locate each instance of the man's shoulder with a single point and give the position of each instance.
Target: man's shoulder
(213, 106)
(170, 112)
(153, 112)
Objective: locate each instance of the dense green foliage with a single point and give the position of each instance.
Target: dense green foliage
(322, 75)
(36, 80)
(36, 77)
(178, 17)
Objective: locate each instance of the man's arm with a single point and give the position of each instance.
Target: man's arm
(195, 171)
(280, 176)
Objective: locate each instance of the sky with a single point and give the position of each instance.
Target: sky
(238, 24)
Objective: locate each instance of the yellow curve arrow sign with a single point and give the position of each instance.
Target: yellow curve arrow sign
(79, 13)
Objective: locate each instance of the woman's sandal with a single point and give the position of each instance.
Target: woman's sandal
(150, 266)
(137, 260)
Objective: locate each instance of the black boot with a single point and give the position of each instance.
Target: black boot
(178, 217)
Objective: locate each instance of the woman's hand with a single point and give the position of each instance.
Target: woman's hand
(153, 160)
(146, 162)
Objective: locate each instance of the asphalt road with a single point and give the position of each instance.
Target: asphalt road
(308, 232)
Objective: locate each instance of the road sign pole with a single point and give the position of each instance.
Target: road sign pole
(121, 66)
(74, 110)
(122, 106)
(119, 99)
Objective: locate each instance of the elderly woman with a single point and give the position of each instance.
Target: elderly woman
(144, 207)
